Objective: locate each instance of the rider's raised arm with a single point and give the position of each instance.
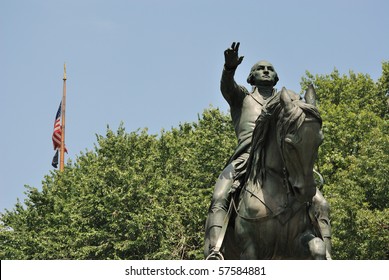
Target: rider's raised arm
(232, 92)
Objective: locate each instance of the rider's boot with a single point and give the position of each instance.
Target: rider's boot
(322, 210)
(215, 224)
(327, 241)
(325, 230)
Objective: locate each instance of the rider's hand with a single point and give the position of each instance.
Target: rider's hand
(232, 59)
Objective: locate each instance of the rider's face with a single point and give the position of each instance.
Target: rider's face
(264, 74)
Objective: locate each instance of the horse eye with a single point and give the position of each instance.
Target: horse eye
(288, 140)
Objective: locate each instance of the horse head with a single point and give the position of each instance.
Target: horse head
(300, 135)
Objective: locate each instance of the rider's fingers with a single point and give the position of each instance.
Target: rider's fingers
(237, 46)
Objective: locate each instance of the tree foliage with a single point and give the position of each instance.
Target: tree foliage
(136, 196)
(354, 161)
(142, 196)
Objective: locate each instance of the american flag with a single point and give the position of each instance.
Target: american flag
(57, 134)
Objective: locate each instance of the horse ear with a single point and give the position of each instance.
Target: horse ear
(285, 100)
(310, 95)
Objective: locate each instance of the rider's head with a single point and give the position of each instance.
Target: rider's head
(262, 74)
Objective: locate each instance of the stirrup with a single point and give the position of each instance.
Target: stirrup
(215, 256)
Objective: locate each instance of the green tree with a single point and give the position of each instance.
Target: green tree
(136, 196)
(354, 161)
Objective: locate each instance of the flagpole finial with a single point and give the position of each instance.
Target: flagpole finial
(64, 71)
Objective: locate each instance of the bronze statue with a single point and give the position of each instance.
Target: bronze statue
(240, 180)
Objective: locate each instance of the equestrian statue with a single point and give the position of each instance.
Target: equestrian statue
(266, 204)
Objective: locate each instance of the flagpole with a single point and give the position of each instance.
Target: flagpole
(62, 148)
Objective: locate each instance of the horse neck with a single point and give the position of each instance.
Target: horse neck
(272, 187)
(273, 160)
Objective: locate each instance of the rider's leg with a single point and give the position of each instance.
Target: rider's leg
(322, 210)
(219, 205)
(317, 247)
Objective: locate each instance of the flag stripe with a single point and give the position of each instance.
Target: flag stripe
(57, 135)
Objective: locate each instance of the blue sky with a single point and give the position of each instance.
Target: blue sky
(156, 64)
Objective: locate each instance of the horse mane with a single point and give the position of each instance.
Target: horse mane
(286, 122)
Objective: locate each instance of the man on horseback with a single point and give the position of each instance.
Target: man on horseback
(245, 107)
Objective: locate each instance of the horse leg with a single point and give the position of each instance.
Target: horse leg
(250, 251)
(245, 232)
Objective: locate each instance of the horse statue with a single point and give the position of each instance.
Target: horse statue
(272, 214)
